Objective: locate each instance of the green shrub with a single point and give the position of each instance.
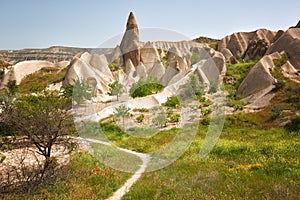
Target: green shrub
(213, 87)
(281, 61)
(195, 58)
(169, 112)
(236, 104)
(276, 111)
(175, 118)
(160, 120)
(144, 110)
(67, 90)
(6, 147)
(205, 112)
(279, 85)
(140, 118)
(144, 88)
(112, 132)
(12, 87)
(2, 158)
(172, 101)
(294, 125)
(292, 96)
(205, 121)
(37, 88)
(207, 103)
(113, 67)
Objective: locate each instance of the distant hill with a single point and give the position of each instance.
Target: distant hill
(52, 54)
(206, 40)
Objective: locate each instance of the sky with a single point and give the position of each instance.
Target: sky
(90, 23)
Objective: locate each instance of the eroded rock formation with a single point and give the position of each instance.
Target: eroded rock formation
(130, 44)
(248, 45)
(289, 42)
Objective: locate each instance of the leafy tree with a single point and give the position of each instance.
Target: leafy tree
(116, 89)
(172, 101)
(160, 120)
(195, 58)
(145, 87)
(195, 84)
(193, 88)
(82, 91)
(122, 112)
(42, 119)
(12, 87)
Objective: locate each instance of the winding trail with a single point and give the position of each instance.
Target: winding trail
(128, 184)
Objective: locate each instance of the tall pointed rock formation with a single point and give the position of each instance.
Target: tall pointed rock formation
(130, 46)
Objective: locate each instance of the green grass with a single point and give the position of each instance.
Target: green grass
(83, 178)
(245, 164)
(248, 162)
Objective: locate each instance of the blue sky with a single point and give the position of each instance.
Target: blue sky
(88, 23)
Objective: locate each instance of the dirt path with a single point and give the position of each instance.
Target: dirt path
(128, 184)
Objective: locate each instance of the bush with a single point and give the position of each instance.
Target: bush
(276, 111)
(195, 58)
(281, 61)
(12, 87)
(169, 112)
(207, 103)
(6, 147)
(206, 112)
(113, 67)
(205, 121)
(172, 101)
(236, 104)
(144, 88)
(175, 118)
(37, 88)
(160, 120)
(294, 125)
(141, 110)
(279, 85)
(213, 88)
(140, 118)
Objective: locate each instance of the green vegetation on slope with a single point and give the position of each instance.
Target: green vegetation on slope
(235, 75)
(39, 80)
(213, 43)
